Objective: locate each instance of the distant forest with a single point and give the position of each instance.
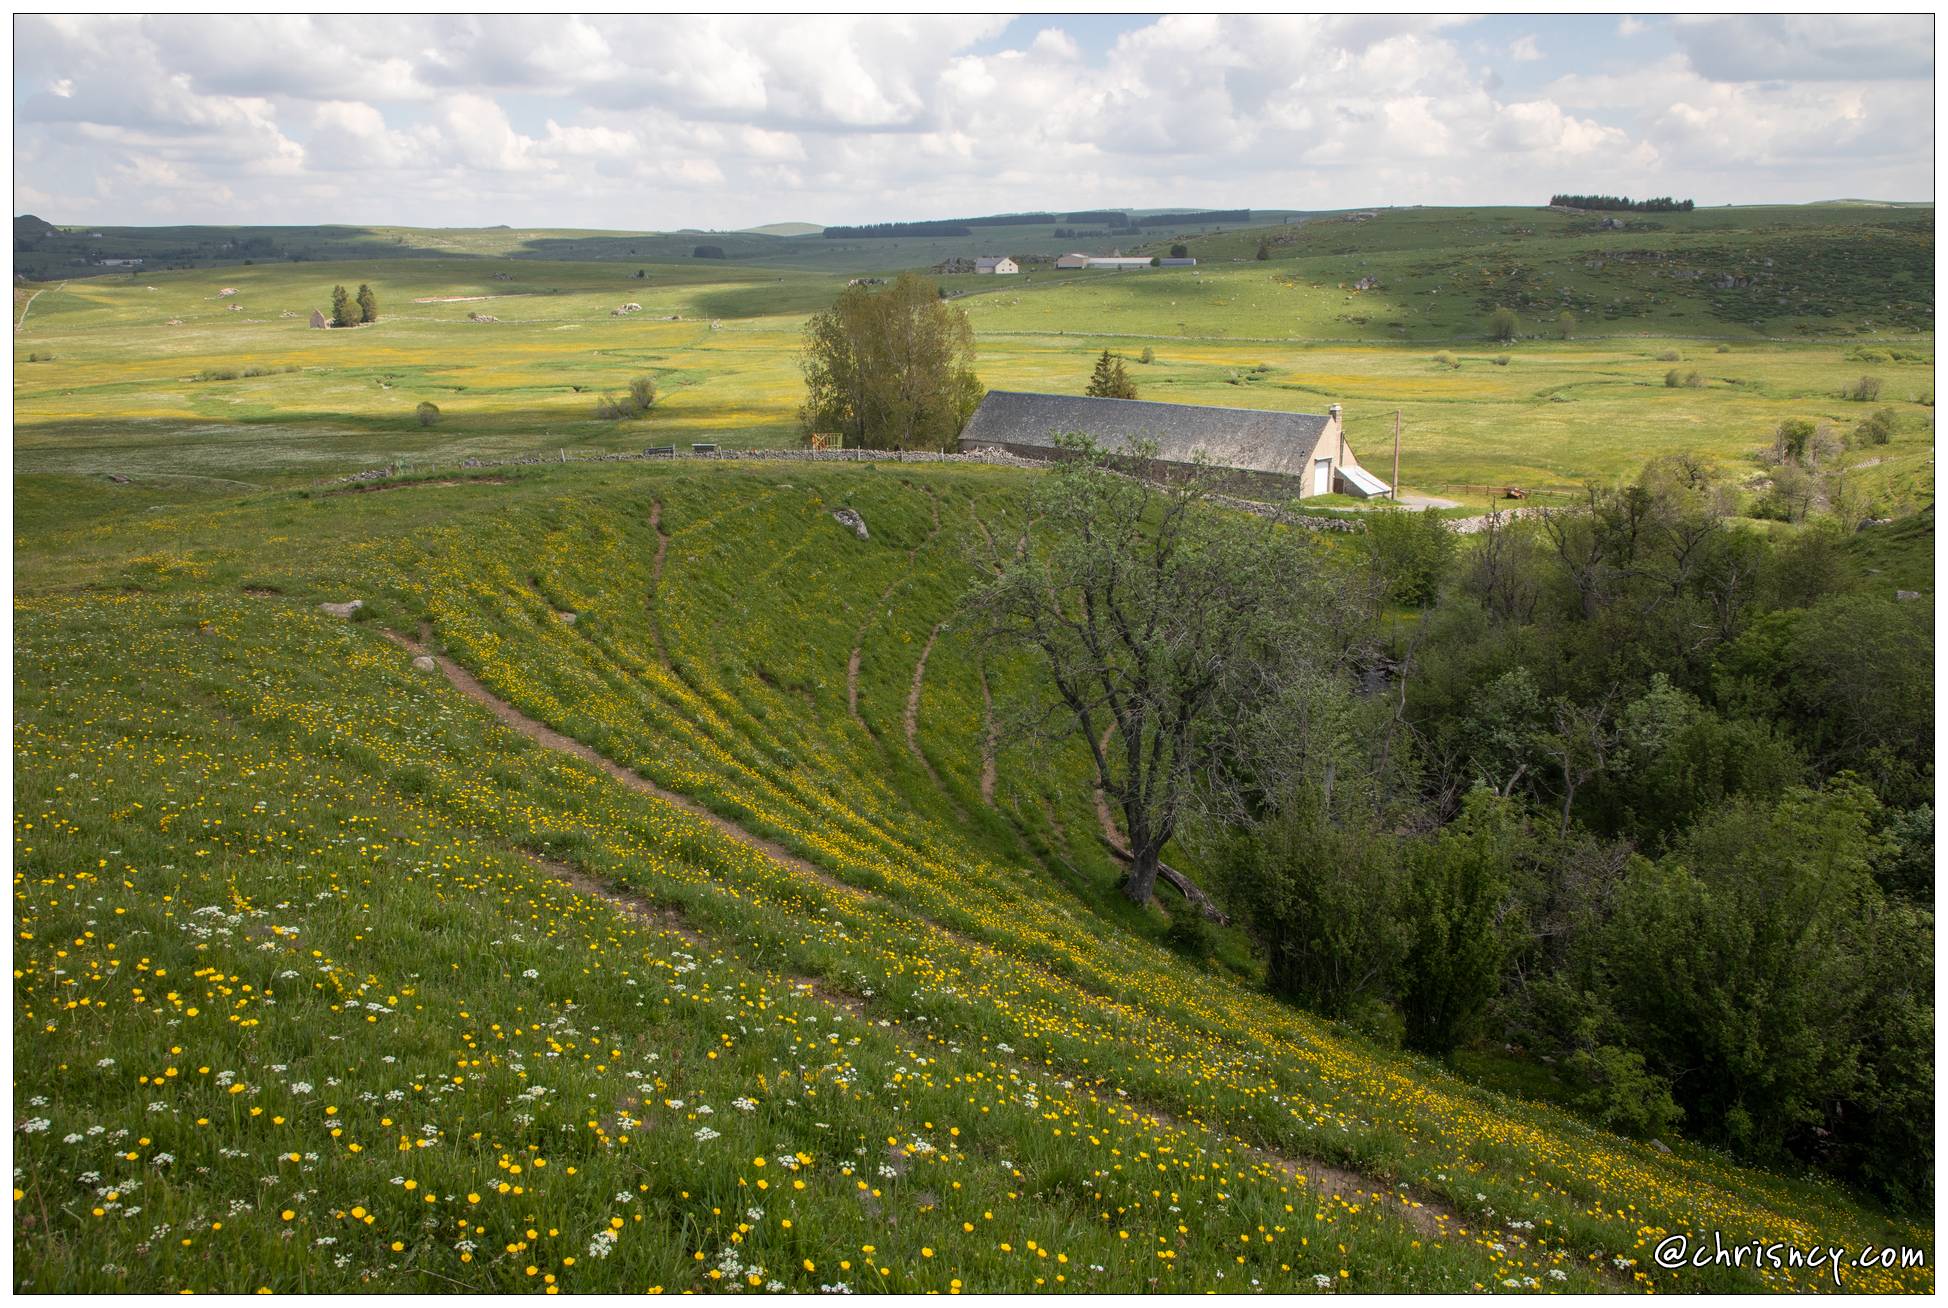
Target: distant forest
(1621, 204)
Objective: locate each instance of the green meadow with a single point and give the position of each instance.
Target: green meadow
(115, 388)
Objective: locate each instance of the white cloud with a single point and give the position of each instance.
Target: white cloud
(1628, 26)
(721, 120)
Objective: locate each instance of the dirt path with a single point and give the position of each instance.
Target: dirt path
(30, 304)
(859, 637)
(546, 736)
(913, 702)
(852, 686)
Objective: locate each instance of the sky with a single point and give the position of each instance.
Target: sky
(663, 123)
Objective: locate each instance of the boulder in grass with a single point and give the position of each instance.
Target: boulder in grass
(345, 610)
(424, 663)
(850, 519)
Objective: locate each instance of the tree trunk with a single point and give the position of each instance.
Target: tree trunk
(1142, 880)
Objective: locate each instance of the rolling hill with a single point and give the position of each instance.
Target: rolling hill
(634, 894)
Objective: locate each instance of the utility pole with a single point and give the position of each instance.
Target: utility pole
(1396, 456)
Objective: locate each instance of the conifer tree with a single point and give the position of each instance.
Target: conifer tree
(368, 304)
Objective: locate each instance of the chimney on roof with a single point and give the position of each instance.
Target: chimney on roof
(1332, 411)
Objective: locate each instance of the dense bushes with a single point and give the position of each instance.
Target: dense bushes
(1647, 795)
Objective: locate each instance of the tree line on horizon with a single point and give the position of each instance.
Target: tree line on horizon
(1621, 204)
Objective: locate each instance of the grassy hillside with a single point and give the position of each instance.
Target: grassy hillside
(332, 975)
(45, 251)
(1781, 270)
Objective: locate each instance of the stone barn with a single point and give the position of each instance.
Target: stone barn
(1261, 454)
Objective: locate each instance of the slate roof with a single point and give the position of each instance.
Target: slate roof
(1256, 440)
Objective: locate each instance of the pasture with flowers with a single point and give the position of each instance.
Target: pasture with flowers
(631, 895)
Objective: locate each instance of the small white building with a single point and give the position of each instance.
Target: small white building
(999, 264)
(1073, 261)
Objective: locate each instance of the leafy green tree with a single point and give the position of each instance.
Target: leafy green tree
(1264, 248)
(1180, 251)
(890, 368)
(1144, 607)
(368, 304)
(344, 311)
(1565, 324)
(427, 414)
(1503, 324)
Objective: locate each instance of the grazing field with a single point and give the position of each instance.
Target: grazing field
(159, 376)
(665, 934)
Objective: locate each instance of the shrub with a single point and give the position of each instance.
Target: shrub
(1866, 389)
(1148, 356)
(1411, 552)
(1501, 361)
(639, 399)
(1446, 360)
(1693, 379)
(1621, 1094)
(1668, 356)
(428, 413)
(1377, 1020)
(1502, 324)
(1673, 379)
(1189, 934)
(1452, 965)
(1724, 349)
(1877, 428)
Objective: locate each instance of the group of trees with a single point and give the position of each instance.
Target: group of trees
(1641, 793)
(890, 368)
(349, 311)
(1621, 204)
(1110, 380)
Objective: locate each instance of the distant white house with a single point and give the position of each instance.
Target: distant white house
(119, 263)
(1073, 261)
(1000, 264)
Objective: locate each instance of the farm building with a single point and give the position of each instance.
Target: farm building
(1264, 454)
(1072, 261)
(1119, 262)
(318, 318)
(1167, 262)
(1001, 264)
